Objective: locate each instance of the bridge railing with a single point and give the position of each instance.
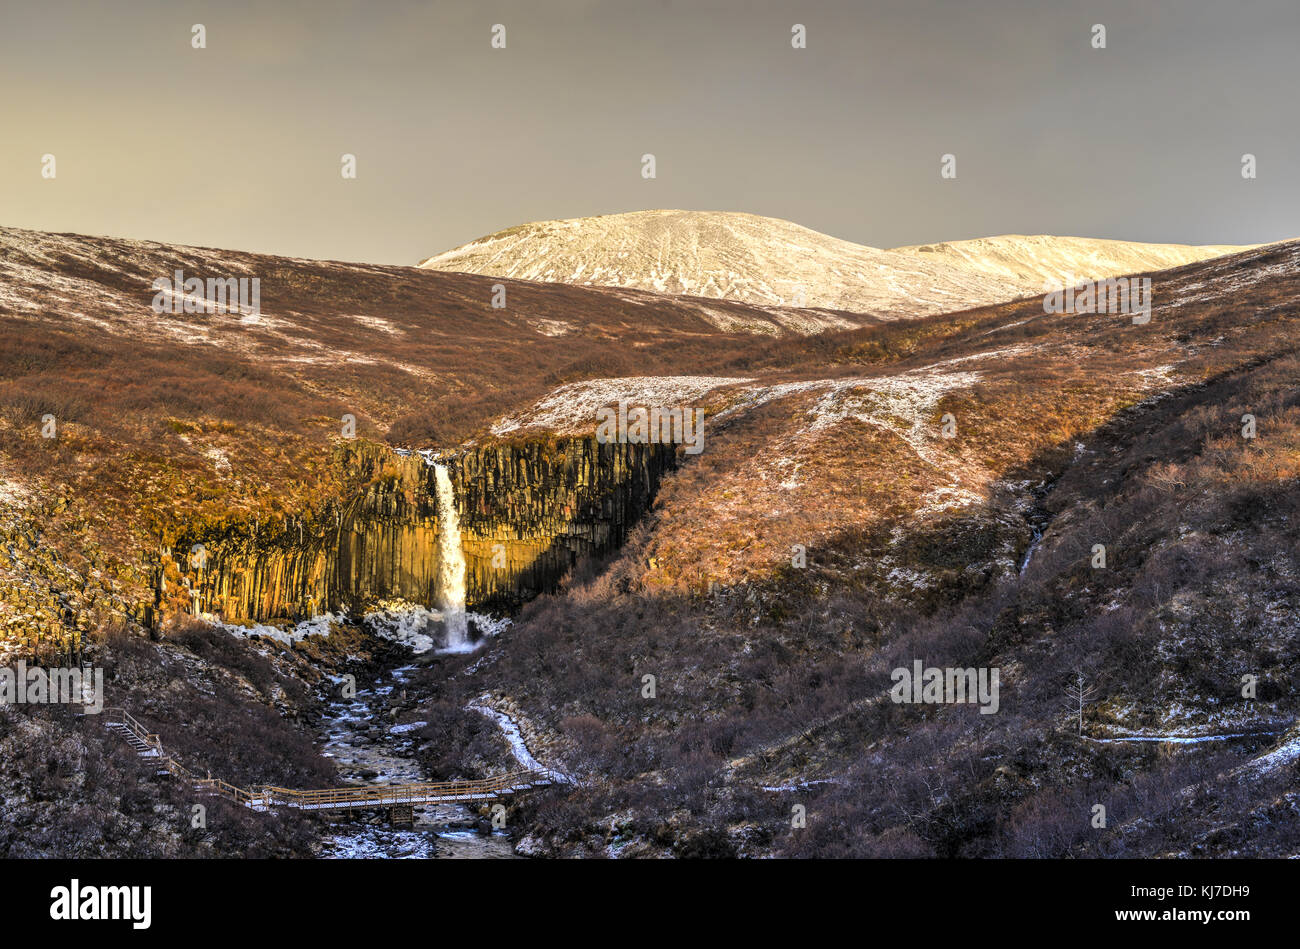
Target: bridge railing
(379, 795)
(120, 716)
(387, 794)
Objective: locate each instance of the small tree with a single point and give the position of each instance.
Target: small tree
(1078, 694)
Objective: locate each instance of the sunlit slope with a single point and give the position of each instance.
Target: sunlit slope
(1033, 260)
(767, 261)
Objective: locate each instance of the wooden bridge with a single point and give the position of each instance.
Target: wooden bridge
(149, 747)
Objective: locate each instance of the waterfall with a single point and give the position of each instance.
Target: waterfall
(451, 563)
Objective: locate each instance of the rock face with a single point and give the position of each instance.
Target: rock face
(528, 512)
(47, 604)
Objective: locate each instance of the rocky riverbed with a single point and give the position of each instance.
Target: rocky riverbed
(358, 733)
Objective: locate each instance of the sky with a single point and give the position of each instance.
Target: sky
(240, 144)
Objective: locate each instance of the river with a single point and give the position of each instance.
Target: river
(367, 750)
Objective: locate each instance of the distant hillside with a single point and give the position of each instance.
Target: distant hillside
(1031, 261)
(767, 261)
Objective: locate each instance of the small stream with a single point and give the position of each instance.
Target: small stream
(1036, 538)
(368, 749)
(1037, 517)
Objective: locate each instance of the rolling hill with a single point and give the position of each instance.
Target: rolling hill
(769, 262)
(931, 489)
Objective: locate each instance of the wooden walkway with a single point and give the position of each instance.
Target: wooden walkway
(149, 747)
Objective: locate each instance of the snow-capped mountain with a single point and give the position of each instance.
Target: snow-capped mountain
(767, 261)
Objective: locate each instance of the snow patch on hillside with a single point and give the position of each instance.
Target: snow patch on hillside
(1284, 755)
(551, 327)
(573, 407)
(901, 404)
(948, 498)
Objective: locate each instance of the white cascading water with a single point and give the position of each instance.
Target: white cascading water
(451, 563)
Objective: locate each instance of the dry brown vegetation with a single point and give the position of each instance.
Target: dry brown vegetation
(170, 421)
(773, 674)
(777, 676)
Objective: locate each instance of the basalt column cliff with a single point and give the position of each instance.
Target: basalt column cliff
(528, 511)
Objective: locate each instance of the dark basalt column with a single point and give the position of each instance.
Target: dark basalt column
(528, 512)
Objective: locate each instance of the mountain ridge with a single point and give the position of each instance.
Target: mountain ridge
(772, 262)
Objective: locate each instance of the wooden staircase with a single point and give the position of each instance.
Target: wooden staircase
(145, 744)
(149, 747)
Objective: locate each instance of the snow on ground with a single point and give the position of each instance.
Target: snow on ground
(1004, 326)
(416, 626)
(902, 404)
(117, 277)
(316, 626)
(422, 628)
(551, 327)
(367, 758)
(220, 460)
(948, 498)
(906, 577)
(177, 301)
(1283, 755)
(510, 729)
(800, 785)
(991, 354)
(756, 396)
(1156, 376)
(369, 843)
(789, 472)
(771, 263)
(1177, 739)
(1222, 280)
(804, 322)
(573, 407)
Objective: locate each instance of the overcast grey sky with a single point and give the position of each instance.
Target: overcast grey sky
(238, 145)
